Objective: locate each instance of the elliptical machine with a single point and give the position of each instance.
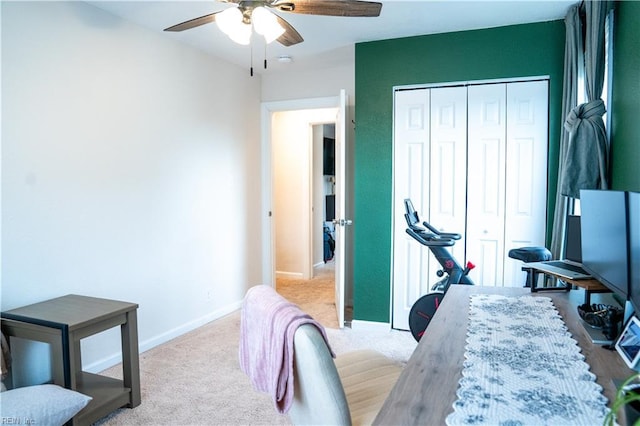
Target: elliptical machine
(425, 307)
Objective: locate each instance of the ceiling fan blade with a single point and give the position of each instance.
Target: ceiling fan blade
(192, 23)
(354, 8)
(290, 35)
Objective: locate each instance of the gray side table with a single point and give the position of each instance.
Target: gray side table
(63, 322)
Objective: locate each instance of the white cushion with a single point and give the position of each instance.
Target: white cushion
(41, 405)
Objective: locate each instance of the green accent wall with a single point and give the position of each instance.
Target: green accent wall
(496, 53)
(625, 108)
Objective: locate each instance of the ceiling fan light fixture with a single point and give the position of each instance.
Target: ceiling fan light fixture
(241, 34)
(230, 22)
(266, 24)
(228, 19)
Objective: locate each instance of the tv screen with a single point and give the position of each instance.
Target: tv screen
(634, 249)
(330, 208)
(329, 157)
(604, 232)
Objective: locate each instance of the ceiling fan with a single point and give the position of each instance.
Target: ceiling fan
(237, 21)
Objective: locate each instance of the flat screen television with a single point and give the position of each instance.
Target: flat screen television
(330, 208)
(634, 249)
(329, 157)
(605, 238)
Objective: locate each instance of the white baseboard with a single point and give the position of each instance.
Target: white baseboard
(284, 274)
(116, 358)
(370, 325)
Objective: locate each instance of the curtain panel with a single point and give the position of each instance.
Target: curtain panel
(572, 58)
(587, 149)
(584, 148)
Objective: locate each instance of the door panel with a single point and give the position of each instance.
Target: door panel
(526, 174)
(411, 180)
(447, 207)
(488, 260)
(430, 168)
(486, 182)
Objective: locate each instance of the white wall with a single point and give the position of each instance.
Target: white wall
(318, 83)
(129, 171)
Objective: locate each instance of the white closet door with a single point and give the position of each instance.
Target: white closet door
(447, 207)
(411, 180)
(486, 182)
(473, 160)
(526, 182)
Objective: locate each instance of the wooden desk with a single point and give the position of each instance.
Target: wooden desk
(426, 389)
(62, 323)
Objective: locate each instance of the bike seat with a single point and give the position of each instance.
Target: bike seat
(530, 254)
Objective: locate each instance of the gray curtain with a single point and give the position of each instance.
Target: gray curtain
(572, 58)
(583, 141)
(586, 158)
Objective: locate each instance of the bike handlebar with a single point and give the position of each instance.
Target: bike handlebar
(430, 240)
(451, 235)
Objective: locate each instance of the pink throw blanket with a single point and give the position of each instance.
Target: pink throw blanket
(267, 325)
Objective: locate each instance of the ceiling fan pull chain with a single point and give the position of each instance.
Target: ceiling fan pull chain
(265, 56)
(251, 47)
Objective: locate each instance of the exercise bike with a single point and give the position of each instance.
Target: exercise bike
(452, 272)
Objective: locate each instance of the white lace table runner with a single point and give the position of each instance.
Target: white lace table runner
(522, 367)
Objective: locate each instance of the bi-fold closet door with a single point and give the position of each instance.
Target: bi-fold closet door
(430, 150)
(507, 185)
(473, 159)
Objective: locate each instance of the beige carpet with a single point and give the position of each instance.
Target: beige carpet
(315, 296)
(195, 379)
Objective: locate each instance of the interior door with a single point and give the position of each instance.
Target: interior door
(342, 222)
(486, 182)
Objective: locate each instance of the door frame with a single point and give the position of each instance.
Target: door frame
(268, 225)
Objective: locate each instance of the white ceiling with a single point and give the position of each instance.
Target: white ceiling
(329, 41)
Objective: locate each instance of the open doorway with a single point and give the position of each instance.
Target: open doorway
(303, 164)
(296, 219)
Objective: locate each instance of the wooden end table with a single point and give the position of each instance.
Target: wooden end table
(63, 322)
